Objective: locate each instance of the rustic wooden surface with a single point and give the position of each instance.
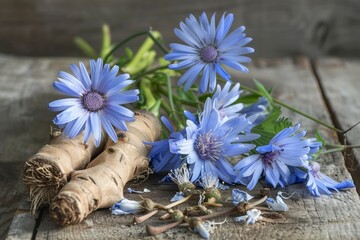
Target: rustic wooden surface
(26, 90)
(279, 28)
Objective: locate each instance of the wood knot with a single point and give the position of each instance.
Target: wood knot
(122, 137)
(110, 149)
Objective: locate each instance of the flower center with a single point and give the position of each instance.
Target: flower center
(208, 147)
(93, 101)
(208, 54)
(268, 158)
(315, 168)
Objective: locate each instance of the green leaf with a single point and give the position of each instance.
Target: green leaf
(85, 47)
(320, 138)
(271, 126)
(248, 99)
(263, 91)
(106, 41)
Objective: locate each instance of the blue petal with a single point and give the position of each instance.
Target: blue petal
(85, 79)
(69, 114)
(96, 68)
(124, 97)
(62, 104)
(78, 125)
(63, 88)
(109, 129)
(95, 127)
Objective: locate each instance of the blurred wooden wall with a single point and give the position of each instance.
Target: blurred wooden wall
(279, 27)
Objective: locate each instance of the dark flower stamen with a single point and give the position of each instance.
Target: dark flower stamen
(208, 147)
(208, 54)
(268, 158)
(93, 101)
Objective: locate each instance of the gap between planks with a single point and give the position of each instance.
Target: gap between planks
(349, 162)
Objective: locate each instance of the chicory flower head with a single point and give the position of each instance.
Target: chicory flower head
(226, 98)
(95, 102)
(208, 48)
(208, 145)
(287, 148)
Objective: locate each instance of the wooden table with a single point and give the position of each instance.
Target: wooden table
(327, 89)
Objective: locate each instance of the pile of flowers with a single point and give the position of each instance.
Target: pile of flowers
(215, 130)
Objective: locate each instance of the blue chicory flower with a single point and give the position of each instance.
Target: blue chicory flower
(95, 102)
(126, 206)
(257, 109)
(208, 145)
(287, 148)
(207, 49)
(162, 160)
(317, 182)
(226, 99)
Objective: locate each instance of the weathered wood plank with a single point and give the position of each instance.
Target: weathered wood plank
(340, 79)
(337, 216)
(279, 28)
(23, 223)
(25, 91)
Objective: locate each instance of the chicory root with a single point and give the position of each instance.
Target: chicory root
(101, 184)
(46, 172)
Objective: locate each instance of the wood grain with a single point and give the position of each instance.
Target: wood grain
(326, 217)
(279, 28)
(340, 79)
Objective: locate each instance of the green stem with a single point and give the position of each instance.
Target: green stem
(145, 86)
(143, 57)
(158, 43)
(183, 101)
(293, 109)
(169, 93)
(117, 46)
(332, 150)
(149, 71)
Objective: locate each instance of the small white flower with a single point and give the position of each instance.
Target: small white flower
(126, 206)
(180, 175)
(209, 181)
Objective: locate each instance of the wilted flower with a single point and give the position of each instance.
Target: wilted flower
(96, 101)
(201, 228)
(208, 48)
(240, 196)
(317, 182)
(181, 176)
(251, 216)
(279, 205)
(126, 206)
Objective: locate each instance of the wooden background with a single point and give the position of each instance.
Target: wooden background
(279, 27)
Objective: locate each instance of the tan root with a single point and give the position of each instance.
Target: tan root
(101, 184)
(48, 170)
